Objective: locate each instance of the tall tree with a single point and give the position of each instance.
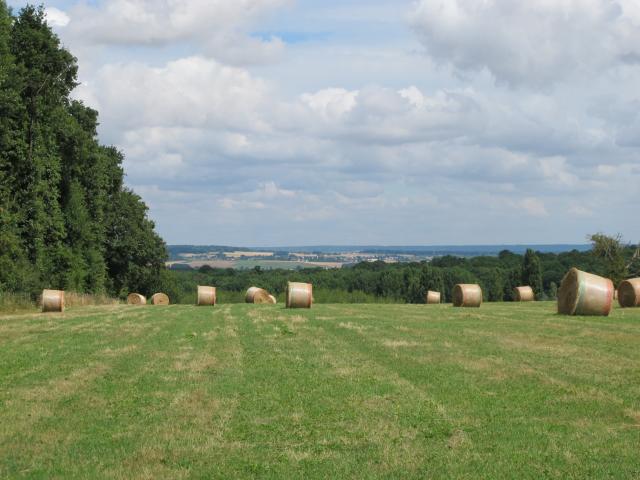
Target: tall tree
(633, 266)
(513, 279)
(135, 253)
(66, 219)
(532, 272)
(48, 75)
(15, 271)
(610, 250)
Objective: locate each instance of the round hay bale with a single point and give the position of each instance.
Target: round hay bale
(263, 298)
(523, 294)
(207, 296)
(53, 301)
(299, 295)
(629, 293)
(583, 293)
(136, 299)
(160, 299)
(257, 295)
(466, 295)
(248, 297)
(432, 298)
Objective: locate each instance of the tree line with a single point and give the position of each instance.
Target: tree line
(67, 221)
(408, 282)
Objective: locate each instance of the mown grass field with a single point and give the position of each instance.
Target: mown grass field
(340, 391)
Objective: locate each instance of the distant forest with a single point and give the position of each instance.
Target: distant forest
(408, 282)
(66, 219)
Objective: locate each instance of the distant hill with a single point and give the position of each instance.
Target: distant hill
(174, 250)
(420, 250)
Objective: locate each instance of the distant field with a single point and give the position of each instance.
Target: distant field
(201, 263)
(271, 264)
(252, 263)
(340, 391)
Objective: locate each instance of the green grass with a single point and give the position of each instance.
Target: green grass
(340, 391)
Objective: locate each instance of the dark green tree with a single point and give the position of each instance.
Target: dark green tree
(414, 290)
(66, 220)
(492, 281)
(532, 273)
(47, 74)
(135, 253)
(513, 279)
(431, 279)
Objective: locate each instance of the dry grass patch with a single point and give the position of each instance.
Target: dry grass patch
(352, 326)
(400, 344)
(116, 352)
(201, 363)
(296, 319)
(634, 415)
(458, 440)
(538, 344)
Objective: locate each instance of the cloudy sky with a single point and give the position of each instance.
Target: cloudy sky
(398, 122)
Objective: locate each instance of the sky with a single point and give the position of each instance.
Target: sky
(390, 122)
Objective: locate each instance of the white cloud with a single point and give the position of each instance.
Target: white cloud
(331, 103)
(377, 157)
(189, 92)
(219, 27)
(533, 42)
(580, 211)
(534, 206)
(56, 17)
(555, 169)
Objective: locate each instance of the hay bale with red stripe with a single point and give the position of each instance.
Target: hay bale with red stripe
(583, 293)
(299, 295)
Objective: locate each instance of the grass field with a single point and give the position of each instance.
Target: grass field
(366, 391)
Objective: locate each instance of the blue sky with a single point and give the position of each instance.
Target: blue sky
(267, 122)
